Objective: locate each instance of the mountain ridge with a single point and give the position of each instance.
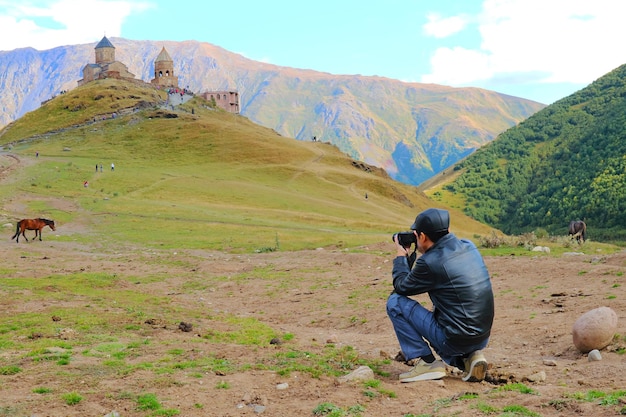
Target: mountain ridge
(411, 130)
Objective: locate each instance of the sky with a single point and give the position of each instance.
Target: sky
(542, 50)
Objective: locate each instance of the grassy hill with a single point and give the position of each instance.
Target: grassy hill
(566, 162)
(196, 177)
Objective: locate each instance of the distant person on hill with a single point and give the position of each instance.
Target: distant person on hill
(112, 166)
(453, 273)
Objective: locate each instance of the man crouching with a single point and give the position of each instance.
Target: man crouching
(453, 273)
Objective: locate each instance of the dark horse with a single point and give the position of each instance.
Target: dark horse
(578, 230)
(32, 224)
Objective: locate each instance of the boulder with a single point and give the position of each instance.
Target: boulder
(594, 329)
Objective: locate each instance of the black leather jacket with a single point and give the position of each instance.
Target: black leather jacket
(456, 279)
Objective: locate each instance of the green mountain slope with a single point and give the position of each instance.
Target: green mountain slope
(195, 177)
(566, 162)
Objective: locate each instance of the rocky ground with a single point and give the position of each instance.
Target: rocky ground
(337, 298)
(327, 300)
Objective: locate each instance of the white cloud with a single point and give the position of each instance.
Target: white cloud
(47, 24)
(458, 66)
(439, 27)
(557, 41)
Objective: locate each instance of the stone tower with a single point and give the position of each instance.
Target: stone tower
(105, 52)
(164, 71)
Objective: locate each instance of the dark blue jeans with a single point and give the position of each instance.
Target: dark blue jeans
(416, 328)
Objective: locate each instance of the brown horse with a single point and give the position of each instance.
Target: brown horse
(32, 224)
(578, 229)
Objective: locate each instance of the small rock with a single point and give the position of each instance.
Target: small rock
(385, 355)
(537, 377)
(594, 355)
(332, 339)
(282, 386)
(362, 373)
(598, 259)
(544, 249)
(67, 334)
(185, 327)
(549, 362)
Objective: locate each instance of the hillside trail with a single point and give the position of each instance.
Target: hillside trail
(8, 164)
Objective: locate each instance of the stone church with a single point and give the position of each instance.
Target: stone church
(107, 67)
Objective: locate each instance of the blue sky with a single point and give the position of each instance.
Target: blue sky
(541, 50)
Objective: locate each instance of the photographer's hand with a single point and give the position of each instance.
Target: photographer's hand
(400, 250)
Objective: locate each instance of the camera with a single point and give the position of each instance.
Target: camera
(405, 239)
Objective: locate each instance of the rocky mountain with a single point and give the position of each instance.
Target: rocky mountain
(411, 130)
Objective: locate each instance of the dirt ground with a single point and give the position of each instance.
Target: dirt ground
(337, 298)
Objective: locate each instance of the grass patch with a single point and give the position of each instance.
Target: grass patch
(518, 387)
(72, 398)
(150, 402)
(374, 388)
(241, 330)
(222, 385)
(601, 397)
(331, 410)
(518, 410)
(10, 370)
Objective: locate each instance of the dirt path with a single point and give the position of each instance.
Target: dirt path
(8, 163)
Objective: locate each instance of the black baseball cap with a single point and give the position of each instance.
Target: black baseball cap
(433, 222)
